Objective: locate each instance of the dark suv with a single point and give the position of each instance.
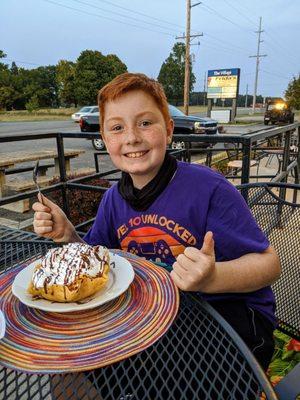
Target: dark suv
(278, 111)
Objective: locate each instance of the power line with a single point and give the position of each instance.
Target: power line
(284, 49)
(142, 14)
(123, 15)
(229, 48)
(224, 41)
(218, 48)
(223, 17)
(21, 62)
(239, 12)
(103, 17)
(246, 9)
(275, 74)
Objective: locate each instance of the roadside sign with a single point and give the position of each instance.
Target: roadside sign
(223, 83)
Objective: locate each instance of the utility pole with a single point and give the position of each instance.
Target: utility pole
(187, 38)
(257, 56)
(246, 99)
(204, 89)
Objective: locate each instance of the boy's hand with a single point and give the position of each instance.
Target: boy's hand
(51, 222)
(195, 269)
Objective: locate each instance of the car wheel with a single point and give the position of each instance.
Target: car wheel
(98, 144)
(178, 145)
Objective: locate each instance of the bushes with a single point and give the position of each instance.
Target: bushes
(83, 204)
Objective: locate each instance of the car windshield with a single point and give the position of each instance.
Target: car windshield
(175, 112)
(85, 109)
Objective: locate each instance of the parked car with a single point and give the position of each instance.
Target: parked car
(278, 111)
(191, 124)
(83, 111)
(90, 123)
(183, 124)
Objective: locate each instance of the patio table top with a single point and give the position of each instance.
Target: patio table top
(199, 356)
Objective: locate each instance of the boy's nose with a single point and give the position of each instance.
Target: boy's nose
(132, 135)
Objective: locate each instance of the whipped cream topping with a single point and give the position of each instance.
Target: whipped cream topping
(63, 265)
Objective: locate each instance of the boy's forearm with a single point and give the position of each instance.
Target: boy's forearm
(246, 274)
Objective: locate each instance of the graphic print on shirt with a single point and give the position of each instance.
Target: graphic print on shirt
(161, 244)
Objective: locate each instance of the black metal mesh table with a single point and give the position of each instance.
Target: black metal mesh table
(200, 357)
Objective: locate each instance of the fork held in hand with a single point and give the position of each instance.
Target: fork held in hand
(35, 175)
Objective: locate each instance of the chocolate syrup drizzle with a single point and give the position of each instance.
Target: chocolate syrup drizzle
(60, 264)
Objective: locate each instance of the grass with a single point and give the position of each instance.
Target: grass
(44, 114)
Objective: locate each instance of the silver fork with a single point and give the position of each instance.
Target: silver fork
(34, 176)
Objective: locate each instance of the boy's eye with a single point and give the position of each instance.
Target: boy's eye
(145, 123)
(116, 128)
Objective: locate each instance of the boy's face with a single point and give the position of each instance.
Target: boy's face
(136, 135)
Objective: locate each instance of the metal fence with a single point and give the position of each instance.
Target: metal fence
(245, 146)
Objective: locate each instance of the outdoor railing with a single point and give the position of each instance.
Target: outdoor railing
(246, 144)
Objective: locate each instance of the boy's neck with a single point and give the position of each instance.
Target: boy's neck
(140, 181)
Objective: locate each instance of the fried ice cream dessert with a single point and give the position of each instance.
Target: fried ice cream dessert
(70, 273)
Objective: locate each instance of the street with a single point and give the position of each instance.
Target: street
(86, 159)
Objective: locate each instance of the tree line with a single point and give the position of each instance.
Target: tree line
(63, 85)
(77, 83)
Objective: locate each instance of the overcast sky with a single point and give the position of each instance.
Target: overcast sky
(142, 33)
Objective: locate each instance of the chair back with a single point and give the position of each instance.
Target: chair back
(232, 151)
(280, 220)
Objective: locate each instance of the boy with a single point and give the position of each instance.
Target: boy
(180, 214)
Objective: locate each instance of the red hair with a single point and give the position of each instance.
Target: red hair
(127, 82)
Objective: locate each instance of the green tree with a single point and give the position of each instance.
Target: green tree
(171, 74)
(292, 93)
(7, 92)
(41, 82)
(14, 69)
(66, 83)
(114, 66)
(93, 71)
(32, 104)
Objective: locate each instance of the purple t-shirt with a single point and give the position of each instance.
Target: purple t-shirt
(196, 200)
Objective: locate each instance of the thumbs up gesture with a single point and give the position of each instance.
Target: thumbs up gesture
(195, 269)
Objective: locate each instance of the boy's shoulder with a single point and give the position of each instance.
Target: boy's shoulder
(201, 172)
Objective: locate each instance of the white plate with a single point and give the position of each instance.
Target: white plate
(2, 325)
(121, 275)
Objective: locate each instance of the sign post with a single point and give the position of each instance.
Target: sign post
(224, 84)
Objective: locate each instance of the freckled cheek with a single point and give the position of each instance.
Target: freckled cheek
(113, 146)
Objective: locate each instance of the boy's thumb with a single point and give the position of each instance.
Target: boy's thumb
(44, 200)
(208, 246)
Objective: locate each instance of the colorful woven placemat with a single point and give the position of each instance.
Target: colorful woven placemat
(48, 342)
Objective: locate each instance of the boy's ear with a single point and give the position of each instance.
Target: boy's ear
(103, 138)
(170, 129)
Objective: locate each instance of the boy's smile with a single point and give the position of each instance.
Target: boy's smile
(136, 135)
(136, 154)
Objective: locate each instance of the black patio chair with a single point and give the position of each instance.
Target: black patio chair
(235, 162)
(280, 220)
